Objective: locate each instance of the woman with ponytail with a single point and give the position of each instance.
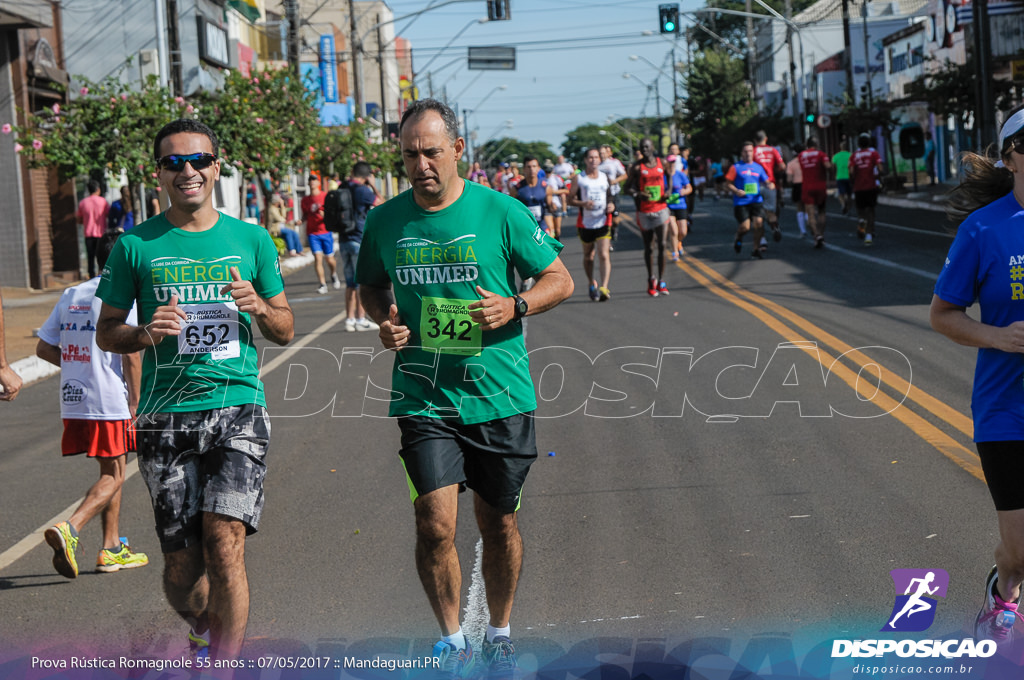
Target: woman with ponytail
(986, 265)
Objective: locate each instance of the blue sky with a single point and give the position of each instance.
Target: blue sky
(571, 55)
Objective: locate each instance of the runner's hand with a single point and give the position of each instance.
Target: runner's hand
(166, 321)
(244, 294)
(10, 382)
(393, 335)
(494, 311)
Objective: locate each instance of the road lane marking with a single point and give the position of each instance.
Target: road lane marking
(935, 406)
(22, 547)
(730, 291)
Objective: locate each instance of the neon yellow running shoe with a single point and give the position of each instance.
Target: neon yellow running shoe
(60, 537)
(120, 558)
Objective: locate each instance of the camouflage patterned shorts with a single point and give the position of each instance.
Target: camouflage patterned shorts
(205, 461)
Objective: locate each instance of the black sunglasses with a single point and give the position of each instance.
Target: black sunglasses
(198, 161)
(1016, 144)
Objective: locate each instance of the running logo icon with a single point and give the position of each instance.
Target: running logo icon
(915, 606)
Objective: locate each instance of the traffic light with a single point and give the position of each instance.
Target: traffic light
(809, 113)
(498, 10)
(668, 18)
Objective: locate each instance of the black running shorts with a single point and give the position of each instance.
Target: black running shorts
(866, 199)
(1003, 464)
(203, 461)
(492, 458)
(742, 213)
(591, 235)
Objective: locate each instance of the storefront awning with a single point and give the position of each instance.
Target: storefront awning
(26, 14)
(247, 8)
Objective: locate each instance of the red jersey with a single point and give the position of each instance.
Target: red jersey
(652, 187)
(812, 164)
(769, 158)
(313, 213)
(863, 164)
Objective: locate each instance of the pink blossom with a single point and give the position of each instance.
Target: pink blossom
(6, 129)
(113, 100)
(180, 100)
(124, 96)
(158, 188)
(259, 91)
(18, 147)
(189, 108)
(359, 120)
(251, 170)
(235, 100)
(84, 91)
(56, 108)
(291, 122)
(353, 155)
(392, 135)
(37, 144)
(259, 120)
(154, 175)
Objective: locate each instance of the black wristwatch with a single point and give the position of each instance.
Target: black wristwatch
(520, 307)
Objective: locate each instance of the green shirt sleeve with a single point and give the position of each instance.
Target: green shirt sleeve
(118, 283)
(267, 279)
(532, 250)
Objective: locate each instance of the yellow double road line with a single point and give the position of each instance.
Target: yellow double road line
(799, 331)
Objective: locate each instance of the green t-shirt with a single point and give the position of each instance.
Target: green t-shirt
(842, 162)
(213, 363)
(434, 261)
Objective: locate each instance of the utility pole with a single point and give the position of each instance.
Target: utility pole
(357, 59)
(174, 48)
(161, 43)
(867, 59)
(751, 52)
(847, 57)
(986, 106)
(794, 95)
(291, 12)
(383, 94)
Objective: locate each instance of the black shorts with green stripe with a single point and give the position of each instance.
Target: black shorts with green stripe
(491, 458)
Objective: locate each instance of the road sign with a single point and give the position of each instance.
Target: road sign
(824, 120)
(494, 58)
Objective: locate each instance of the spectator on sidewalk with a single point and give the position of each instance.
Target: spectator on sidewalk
(99, 394)
(10, 381)
(279, 225)
(121, 216)
(92, 214)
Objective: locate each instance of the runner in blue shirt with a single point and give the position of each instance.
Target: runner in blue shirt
(682, 188)
(744, 181)
(985, 265)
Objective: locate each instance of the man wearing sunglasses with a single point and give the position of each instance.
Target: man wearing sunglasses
(199, 278)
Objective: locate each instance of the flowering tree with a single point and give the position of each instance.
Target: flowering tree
(107, 127)
(338, 149)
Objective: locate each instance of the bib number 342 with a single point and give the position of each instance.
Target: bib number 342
(445, 326)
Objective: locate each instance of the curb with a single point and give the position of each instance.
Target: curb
(908, 203)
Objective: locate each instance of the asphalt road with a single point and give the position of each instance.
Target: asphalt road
(740, 463)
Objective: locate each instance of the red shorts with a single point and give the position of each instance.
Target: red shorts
(814, 195)
(97, 438)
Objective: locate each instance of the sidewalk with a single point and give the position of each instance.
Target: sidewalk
(927, 197)
(25, 310)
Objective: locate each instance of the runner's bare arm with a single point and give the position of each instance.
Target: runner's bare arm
(553, 285)
(47, 352)
(131, 371)
(952, 321)
(277, 323)
(114, 335)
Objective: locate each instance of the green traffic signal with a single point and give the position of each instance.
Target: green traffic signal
(810, 118)
(670, 27)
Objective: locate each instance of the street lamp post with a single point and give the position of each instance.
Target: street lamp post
(657, 97)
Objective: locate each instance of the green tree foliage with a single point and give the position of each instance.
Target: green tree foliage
(338, 149)
(733, 28)
(719, 103)
(107, 127)
(497, 150)
(948, 90)
(266, 123)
